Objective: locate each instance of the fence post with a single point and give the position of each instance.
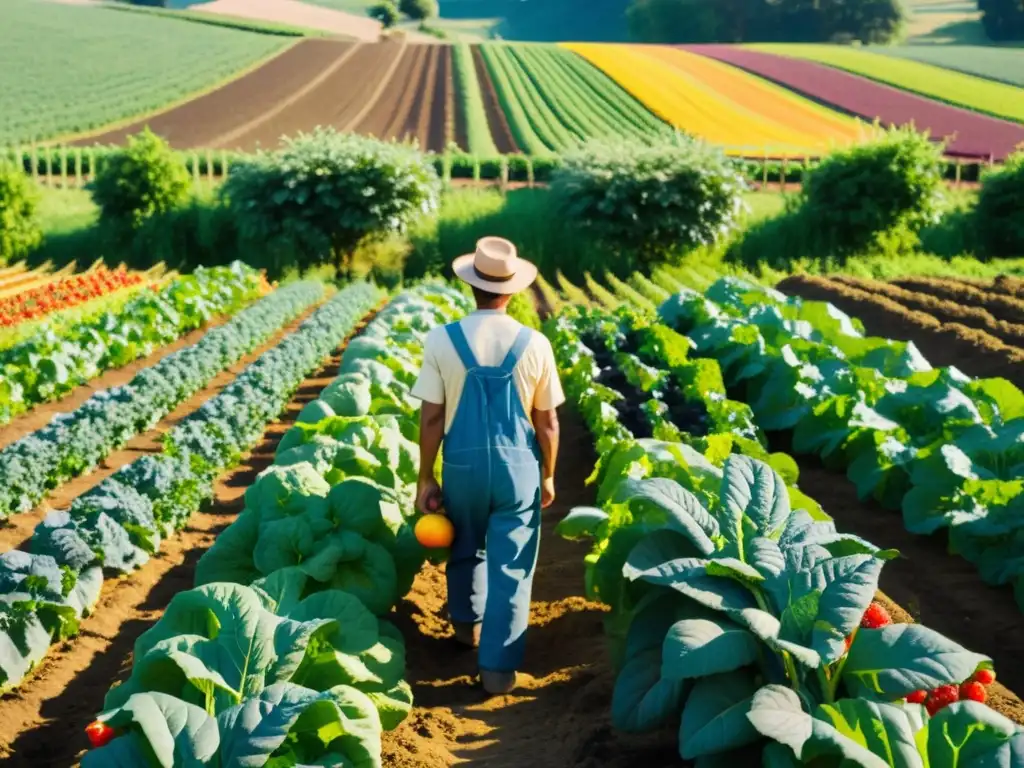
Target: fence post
(476, 168)
(764, 169)
(530, 179)
(958, 173)
(785, 172)
(503, 178)
(195, 171)
(92, 166)
(223, 164)
(806, 168)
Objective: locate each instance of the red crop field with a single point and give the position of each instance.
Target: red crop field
(968, 134)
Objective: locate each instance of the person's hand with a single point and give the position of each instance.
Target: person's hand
(428, 496)
(547, 492)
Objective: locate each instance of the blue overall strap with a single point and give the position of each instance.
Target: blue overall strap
(458, 337)
(516, 352)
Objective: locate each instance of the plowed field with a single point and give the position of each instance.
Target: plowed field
(391, 90)
(947, 332)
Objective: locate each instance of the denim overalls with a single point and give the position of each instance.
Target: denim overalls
(491, 487)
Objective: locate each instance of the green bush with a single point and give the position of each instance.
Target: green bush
(143, 180)
(998, 220)
(418, 10)
(19, 223)
(386, 13)
(647, 202)
(875, 197)
(328, 193)
(524, 310)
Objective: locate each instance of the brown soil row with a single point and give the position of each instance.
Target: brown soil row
(17, 530)
(1000, 306)
(559, 715)
(496, 120)
(1004, 284)
(197, 123)
(42, 723)
(943, 310)
(939, 590)
(392, 90)
(974, 352)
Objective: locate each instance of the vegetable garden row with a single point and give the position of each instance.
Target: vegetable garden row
(738, 613)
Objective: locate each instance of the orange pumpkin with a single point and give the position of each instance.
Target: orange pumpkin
(434, 531)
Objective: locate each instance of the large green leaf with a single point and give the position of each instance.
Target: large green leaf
(968, 734)
(680, 510)
(896, 660)
(581, 522)
(699, 647)
(715, 716)
(642, 699)
(754, 502)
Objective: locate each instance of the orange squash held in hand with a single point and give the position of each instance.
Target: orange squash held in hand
(434, 531)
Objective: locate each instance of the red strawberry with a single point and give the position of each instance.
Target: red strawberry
(973, 691)
(875, 616)
(984, 676)
(941, 697)
(917, 697)
(100, 734)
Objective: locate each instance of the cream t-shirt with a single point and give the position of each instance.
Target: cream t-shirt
(490, 334)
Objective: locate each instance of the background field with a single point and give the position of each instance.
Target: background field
(91, 66)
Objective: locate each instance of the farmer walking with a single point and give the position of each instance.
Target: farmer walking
(490, 388)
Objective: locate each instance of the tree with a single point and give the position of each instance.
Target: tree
(19, 222)
(418, 10)
(386, 13)
(328, 193)
(143, 180)
(1003, 19)
(649, 203)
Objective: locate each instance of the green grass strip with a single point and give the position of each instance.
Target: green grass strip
(479, 141)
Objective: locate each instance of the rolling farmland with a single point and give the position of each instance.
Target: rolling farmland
(972, 134)
(1003, 64)
(979, 94)
(143, 61)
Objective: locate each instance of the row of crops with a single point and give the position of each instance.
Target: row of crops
(280, 655)
(738, 613)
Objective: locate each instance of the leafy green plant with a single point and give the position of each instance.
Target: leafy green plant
(874, 196)
(418, 10)
(650, 202)
(19, 223)
(143, 180)
(326, 193)
(996, 218)
(385, 12)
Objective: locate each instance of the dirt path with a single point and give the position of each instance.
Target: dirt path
(42, 723)
(559, 714)
(496, 120)
(17, 530)
(939, 590)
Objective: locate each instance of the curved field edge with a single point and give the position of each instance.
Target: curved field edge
(147, 62)
(947, 86)
(81, 137)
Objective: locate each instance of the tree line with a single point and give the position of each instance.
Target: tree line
(738, 21)
(1003, 19)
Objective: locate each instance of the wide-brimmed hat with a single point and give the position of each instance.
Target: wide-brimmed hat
(495, 267)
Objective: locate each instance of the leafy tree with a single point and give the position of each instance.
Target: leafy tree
(875, 196)
(19, 203)
(1003, 19)
(418, 10)
(327, 193)
(648, 203)
(997, 218)
(386, 13)
(143, 180)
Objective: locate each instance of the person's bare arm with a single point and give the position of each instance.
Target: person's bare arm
(428, 492)
(545, 423)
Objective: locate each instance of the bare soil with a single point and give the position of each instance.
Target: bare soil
(202, 121)
(496, 120)
(17, 530)
(41, 724)
(559, 715)
(297, 14)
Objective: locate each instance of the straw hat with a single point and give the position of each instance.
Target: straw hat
(495, 267)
